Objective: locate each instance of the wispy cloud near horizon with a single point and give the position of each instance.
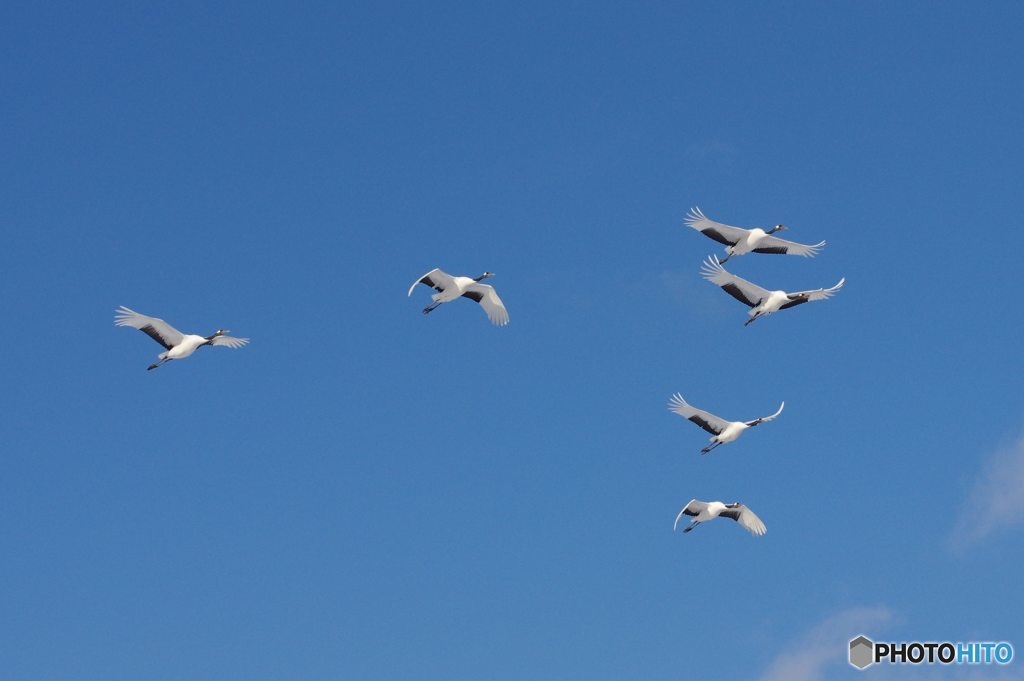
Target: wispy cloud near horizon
(824, 646)
(820, 654)
(998, 492)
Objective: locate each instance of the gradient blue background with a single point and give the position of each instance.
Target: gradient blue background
(367, 493)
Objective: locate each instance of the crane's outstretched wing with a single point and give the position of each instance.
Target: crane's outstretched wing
(745, 517)
(693, 508)
(435, 279)
(157, 329)
(742, 290)
(723, 234)
(765, 419)
(773, 244)
(705, 420)
(229, 341)
(801, 297)
(489, 301)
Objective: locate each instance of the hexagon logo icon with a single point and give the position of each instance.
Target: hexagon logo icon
(862, 652)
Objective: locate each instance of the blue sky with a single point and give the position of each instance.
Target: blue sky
(364, 492)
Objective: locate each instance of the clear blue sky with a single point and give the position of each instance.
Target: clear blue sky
(365, 492)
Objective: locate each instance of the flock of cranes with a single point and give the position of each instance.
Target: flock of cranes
(762, 302)
(737, 240)
(178, 345)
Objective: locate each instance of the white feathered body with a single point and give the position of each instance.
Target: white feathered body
(773, 303)
(189, 344)
(459, 286)
(731, 433)
(710, 512)
(748, 243)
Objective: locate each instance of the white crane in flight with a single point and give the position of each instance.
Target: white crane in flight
(451, 288)
(739, 241)
(761, 301)
(177, 345)
(722, 431)
(703, 511)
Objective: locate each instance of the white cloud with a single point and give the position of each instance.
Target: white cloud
(820, 654)
(998, 493)
(945, 673)
(825, 645)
